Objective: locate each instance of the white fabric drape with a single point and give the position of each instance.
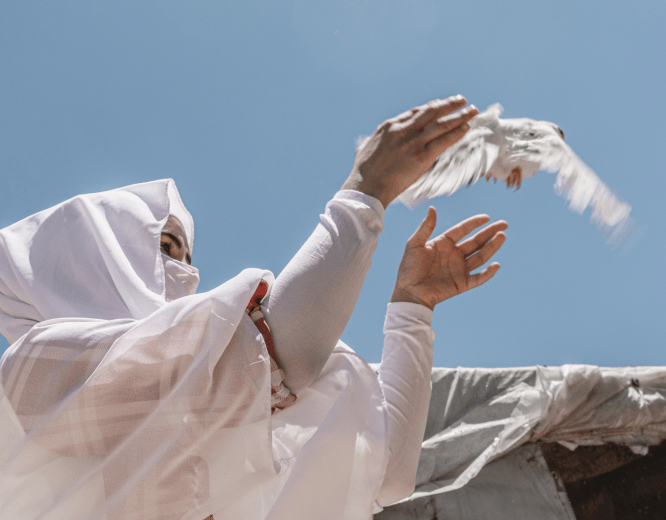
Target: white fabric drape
(93, 256)
(116, 404)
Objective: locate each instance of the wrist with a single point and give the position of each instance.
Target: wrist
(355, 182)
(402, 295)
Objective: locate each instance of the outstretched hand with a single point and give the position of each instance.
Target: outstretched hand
(404, 147)
(432, 271)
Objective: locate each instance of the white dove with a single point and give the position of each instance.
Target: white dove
(513, 149)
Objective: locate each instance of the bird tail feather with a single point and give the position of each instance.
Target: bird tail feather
(581, 187)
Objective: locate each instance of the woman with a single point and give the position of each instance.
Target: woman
(126, 395)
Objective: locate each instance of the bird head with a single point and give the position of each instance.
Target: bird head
(559, 131)
(524, 129)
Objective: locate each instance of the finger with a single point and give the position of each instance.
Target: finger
(438, 146)
(473, 244)
(424, 231)
(486, 252)
(480, 278)
(444, 125)
(405, 116)
(435, 109)
(465, 227)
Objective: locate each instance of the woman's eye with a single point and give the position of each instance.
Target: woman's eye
(165, 247)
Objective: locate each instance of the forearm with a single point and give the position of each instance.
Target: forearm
(404, 375)
(314, 296)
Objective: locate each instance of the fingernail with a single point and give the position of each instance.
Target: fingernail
(458, 97)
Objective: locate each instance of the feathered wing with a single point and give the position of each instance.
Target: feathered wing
(489, 117)
(579, 185)
(462, 164)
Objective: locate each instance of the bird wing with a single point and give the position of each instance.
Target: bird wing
(462, 164)
(578, 184)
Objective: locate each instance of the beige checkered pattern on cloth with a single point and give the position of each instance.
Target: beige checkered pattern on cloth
(78, 401)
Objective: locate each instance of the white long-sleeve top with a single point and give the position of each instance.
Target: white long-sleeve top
(310, 305)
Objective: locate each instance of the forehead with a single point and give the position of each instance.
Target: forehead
(175, 226)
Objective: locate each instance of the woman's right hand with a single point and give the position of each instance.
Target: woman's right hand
(435, 270)
(404, 147)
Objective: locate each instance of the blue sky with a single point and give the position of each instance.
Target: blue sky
(253, 108)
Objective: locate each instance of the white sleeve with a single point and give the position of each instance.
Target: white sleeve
(314, 296)
(404, 375)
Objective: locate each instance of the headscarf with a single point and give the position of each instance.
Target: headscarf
(92, 256)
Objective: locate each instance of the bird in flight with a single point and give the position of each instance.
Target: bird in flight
(511, 150)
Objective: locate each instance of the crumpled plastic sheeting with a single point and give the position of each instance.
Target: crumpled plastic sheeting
(478, 415)
(518, 486)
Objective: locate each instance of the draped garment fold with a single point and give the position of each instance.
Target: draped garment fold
(169, 417)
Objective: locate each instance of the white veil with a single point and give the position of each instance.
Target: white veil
(115, 404)
(93, 256)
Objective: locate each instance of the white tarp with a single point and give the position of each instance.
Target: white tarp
(479, 415)
(518, 486)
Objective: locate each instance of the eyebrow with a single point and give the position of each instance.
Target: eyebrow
(174, 238)
(188, 257)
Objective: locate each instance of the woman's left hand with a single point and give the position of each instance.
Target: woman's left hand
(432, 271)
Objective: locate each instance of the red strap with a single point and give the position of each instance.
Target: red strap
(258, 296)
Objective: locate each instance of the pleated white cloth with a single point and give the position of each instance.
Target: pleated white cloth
(117, 404)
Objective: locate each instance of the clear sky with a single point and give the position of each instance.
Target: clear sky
(253, 108)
